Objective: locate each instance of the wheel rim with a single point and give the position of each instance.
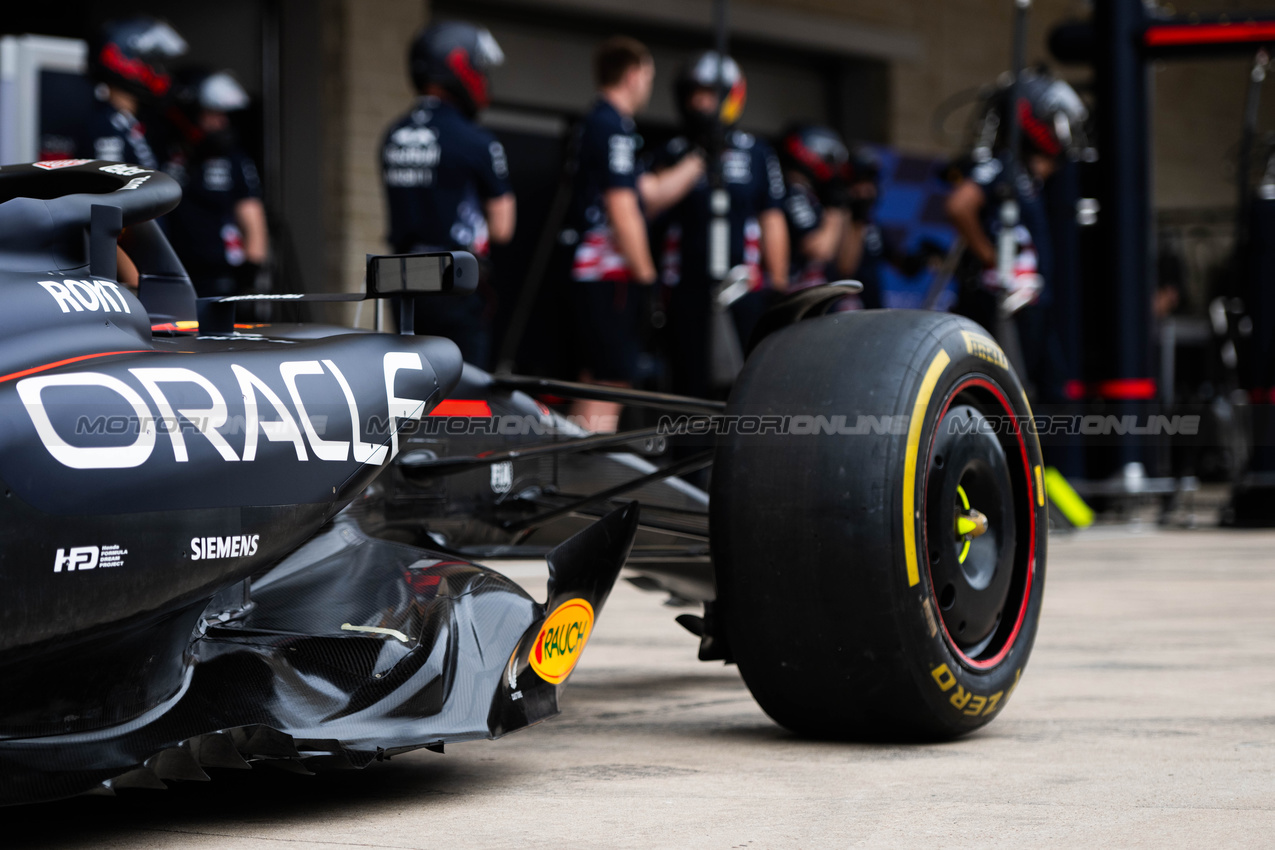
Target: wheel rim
(979, 523)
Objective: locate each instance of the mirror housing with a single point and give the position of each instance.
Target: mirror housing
(436, 273)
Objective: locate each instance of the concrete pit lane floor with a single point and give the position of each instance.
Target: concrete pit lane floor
(1145, 718)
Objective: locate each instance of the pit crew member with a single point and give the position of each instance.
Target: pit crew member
(219, 229)
(606, 229)
(446, 178)
(758, 234)
(1050, 113)
(127, 61)
(815, 163)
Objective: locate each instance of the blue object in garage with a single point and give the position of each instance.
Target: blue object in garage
(911, 210)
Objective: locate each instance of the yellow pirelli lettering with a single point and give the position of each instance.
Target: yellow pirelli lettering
(1040, 487)
(985, 348)
(968, 702)
(943, 677)
(928, 382)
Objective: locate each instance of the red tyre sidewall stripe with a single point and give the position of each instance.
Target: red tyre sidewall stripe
(1031, 497)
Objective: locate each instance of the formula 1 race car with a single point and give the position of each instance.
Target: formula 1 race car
(228, 544)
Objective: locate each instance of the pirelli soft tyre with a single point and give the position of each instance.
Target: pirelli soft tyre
(879, 527)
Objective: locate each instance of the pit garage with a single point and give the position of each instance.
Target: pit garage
(948, 521)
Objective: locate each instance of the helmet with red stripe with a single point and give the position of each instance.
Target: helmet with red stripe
(459, 58)
(131, 54)
(1050, 113)
(816, 152)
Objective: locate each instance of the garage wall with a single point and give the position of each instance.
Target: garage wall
(549, 69)
(365, 45)
(963, 43)
(1196, 131)
(341, 79)
(927, 52)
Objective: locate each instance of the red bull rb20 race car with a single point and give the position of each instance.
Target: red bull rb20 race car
(225, 545)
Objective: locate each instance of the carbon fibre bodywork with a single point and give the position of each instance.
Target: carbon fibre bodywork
(185, 585)
(444, 491)
(287, 681)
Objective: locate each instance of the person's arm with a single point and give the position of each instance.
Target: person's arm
(850, 251)
(501, 215)
(963, 208)
(662, 190)
(125, 270)
(491, 170)
(629, 228)
(774, 226)
(250, 214)
(820, 245)
(774, 247)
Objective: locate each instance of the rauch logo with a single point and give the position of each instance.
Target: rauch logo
(561, 640)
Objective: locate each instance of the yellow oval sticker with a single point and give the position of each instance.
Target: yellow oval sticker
(561, 640)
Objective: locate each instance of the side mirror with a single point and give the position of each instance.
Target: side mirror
(421, 274)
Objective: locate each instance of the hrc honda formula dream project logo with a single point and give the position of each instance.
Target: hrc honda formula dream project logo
(82, 558)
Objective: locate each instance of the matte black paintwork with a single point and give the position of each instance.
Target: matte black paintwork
(286, 682)
(132, 650)
(423, 499)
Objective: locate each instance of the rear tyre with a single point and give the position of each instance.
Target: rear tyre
(879, 562)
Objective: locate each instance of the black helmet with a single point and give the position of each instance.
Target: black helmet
(706, 72)
(1050, 114)
(815, 151)
(459, 57)
(865, 165)
(131, 53)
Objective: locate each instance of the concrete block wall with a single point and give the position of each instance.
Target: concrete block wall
(965, 43)
(365, 43)
(1197, 105)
